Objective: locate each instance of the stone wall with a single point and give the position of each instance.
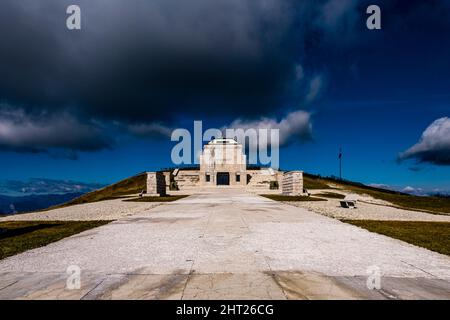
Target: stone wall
(187, 178)
(292, 183)
(289, 183)
(167, 180)
(261, 179)
(156, 184)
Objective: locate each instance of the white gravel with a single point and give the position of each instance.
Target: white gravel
(231, 232)
(368, 208)
(102, 210)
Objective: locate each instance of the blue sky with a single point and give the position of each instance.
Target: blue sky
(83, 107)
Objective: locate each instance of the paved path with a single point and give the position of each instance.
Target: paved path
(227, 245)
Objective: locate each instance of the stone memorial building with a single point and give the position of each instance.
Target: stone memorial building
(223, 164)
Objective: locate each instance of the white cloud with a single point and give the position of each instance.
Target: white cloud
(335, 11)
(381, 186)
(45, 186)
(417, 191)
(315, 88)
(413, 191)
(433, 146)
(408, 189)
(150, 130)
(299, 72)
(294, 126)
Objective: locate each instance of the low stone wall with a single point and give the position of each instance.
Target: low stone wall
(187, 179)
(288, 183)
(156, 184)
(167, 180)
(292, 183)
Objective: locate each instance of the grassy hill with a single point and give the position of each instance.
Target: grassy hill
(124, 187)
(430, 204)
(311, 182)
(399, 199)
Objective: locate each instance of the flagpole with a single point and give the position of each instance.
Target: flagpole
(340, 163)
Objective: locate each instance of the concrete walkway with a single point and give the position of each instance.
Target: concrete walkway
(224, 244)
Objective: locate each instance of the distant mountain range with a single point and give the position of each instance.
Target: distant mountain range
(33, 194)
(18, 204)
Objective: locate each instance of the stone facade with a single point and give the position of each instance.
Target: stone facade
(261, 179)
(156, 184)
(292, 183)
(186, 179)
(223, 163)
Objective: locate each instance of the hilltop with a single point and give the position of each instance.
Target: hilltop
(137, 183)
(431, 204)
(128, 186)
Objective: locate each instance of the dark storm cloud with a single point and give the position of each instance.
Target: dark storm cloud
(147, 60)
(38, 133)
(145, 64)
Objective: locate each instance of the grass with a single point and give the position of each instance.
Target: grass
(156, 199)
(429, 204)
(436, 205)
(405, 201)
(127, 186)
(311, 182)
(434, 236)
(19, 236)
(332, 195)
(279, 197)
(134, 185)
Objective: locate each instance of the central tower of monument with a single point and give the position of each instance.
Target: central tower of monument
(223, 162)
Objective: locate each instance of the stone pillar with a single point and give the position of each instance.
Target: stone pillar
(292, 183)
(156, 184)
(167, 180)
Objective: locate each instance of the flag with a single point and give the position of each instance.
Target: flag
(340, 154)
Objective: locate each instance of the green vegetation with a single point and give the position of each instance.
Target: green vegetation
(279, 197)
(157, 199)
(332, 195)
(431, 235)
(314, 182)
(127, 186)
(136, 184)
(436, 205)
(19, 236)
(429, 204)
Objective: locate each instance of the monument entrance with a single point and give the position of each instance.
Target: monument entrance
(223, 178)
